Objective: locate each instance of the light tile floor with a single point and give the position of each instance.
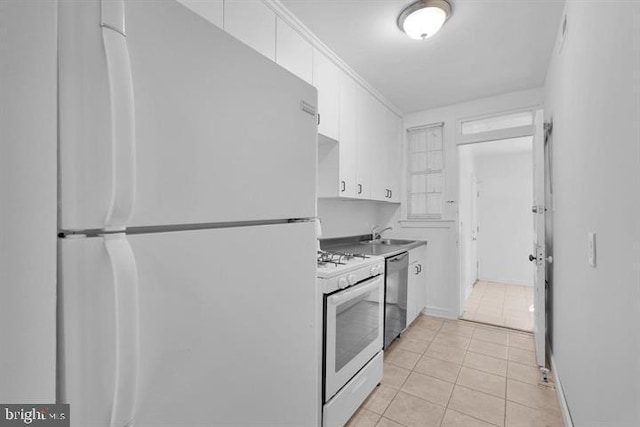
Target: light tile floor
(500, 304)
(445, 373)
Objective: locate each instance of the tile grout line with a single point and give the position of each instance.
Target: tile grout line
(405, 380)
(454, 385)
(474, 328)
(506, 382)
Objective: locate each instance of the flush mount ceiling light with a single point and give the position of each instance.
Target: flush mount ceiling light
(423, 18)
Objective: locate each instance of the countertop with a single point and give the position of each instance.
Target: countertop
(353, 244)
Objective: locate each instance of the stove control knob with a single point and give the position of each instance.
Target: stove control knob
(342, 283)
(375, 270)
(352, 279)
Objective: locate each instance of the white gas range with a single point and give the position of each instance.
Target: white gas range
(339, 270)
(353, 333)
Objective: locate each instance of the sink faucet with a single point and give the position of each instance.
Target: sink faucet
(378, 234)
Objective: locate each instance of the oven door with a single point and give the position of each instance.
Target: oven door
(353, 331)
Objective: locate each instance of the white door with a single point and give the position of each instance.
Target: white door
(539, 256)
(191, 328)
(178, 123)
(475, 229)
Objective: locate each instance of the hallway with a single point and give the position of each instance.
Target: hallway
(500, 304)
(452, 373)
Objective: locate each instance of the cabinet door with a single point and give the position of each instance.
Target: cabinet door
(212, 10)
(393, 155)
(326, 80)
(347, 140)
(412, 292)
(293, 52)
(417, 286)
(253, 23)
(365, 141)
(379, 152)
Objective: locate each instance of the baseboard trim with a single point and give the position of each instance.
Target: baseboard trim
(564, 408)
(438, 312)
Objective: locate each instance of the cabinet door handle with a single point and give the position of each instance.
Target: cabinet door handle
(359, 188)
(343, 186)
(386, 193)
(318, 119)
(390, 193)
(417, 270)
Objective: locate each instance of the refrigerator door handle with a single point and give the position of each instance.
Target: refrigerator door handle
(122, 112)
(126, 318)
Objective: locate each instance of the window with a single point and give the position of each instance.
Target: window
(492, 128)
(426, 172)
(508, 121)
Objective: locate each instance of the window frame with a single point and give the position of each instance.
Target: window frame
(495, 134)
(427, 216)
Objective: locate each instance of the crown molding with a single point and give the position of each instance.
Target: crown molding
(285, 14)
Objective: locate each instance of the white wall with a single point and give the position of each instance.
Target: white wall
(443, 289)
(353, 217)
(593, 98)
(453, 113)
(504, 210)
(28, 182)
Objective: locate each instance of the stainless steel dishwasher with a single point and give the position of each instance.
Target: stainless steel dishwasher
(395, 303)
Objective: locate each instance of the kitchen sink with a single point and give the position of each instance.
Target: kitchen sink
(390, 242)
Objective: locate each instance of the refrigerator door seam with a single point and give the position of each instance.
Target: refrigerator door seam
(178, 227)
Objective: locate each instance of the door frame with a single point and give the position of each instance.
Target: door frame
(535, 130)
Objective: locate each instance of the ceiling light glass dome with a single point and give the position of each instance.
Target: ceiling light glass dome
(422, 19)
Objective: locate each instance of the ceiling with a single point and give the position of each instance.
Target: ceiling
(486, 48)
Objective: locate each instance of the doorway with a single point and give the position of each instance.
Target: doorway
(496, 231)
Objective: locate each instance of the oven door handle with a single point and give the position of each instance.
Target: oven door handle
(358, 290)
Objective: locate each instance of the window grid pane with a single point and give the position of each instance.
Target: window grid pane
(426, 166)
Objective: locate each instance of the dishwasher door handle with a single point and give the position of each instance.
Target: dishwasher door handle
(399, 257)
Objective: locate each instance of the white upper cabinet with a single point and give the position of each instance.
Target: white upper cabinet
(365, 163)
(378, 148)
(385, 155)
(393, 155)
(348, 107)
(252, 22)
(326, 77)
(211, 10)
(293, 52)
(365, 140)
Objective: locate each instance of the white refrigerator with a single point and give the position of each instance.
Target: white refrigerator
(186, 249)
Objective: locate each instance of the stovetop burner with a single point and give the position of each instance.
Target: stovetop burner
(337, 258)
